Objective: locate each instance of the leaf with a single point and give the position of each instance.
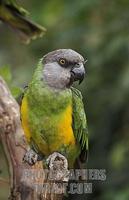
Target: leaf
(5, 72)
(16, 91)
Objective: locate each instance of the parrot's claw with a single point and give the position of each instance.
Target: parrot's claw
(52, 158)
(31, 157)
(59, 166)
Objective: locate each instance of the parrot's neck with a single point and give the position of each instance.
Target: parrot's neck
(40, 94)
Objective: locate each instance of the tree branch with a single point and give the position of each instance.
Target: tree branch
(25, 182)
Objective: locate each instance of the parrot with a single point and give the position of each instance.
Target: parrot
(52, 110)
(16, 17)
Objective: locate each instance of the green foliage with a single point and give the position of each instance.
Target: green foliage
(16, 91)
(6, 74)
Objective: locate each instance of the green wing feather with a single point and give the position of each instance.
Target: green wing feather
(21, 95)
(80, 123)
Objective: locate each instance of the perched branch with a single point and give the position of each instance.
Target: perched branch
(23, 177)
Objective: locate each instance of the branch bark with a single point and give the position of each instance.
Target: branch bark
(26, 182)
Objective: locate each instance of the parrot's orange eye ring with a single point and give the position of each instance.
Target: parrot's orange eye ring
(62, 61)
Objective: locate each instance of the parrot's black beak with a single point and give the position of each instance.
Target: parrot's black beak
(78, 73)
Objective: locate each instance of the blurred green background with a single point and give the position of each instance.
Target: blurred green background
(99, 30)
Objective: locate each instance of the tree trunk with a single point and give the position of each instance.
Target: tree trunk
(26, 182)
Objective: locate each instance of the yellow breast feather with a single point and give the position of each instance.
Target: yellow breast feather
(64, 134)
(24, 117)
(64, 130)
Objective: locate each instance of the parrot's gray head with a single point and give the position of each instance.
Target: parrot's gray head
(62, 67)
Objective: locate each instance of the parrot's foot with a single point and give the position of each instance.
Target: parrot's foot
(31, 157)
(56, 157)
(58, 164)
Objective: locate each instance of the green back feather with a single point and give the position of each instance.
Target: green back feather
(80, 123)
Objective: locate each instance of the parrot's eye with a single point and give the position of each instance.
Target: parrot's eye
(62, 62)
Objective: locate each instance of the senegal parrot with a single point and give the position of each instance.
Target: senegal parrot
(52, 111)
